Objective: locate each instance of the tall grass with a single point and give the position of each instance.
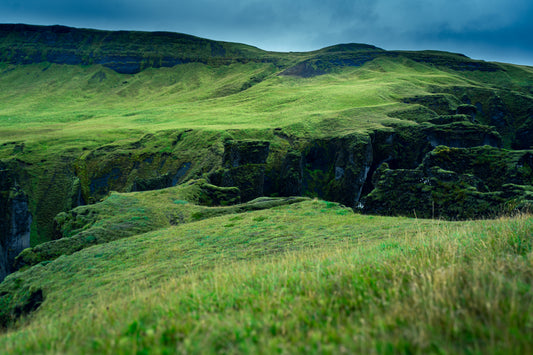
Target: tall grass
(453, 288)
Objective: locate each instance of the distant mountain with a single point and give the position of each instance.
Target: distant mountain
(129, 52)
(123, 51)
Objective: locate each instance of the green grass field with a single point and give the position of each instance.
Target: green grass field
(306, 278)
(66, 102)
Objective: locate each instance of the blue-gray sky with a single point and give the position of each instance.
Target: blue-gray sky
(499, 30)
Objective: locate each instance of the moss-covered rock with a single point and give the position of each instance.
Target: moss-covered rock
(495, 167)
(462, 135)
(505, 109)
(211, 195)
(243, 166)
(436, 193)
(288, 180)
(154, 161)
(442, 104)
(524, 135)
(455, 183)
(336, 168)
(468, 110)
(448, 119)
(18, 299)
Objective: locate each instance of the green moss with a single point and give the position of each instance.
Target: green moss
(454, 183)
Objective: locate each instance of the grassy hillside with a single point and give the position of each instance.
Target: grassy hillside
(309, 277)
(44, 98)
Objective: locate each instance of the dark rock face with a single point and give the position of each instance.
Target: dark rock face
(456, 183)
(462, 135)
(524, 136)
(339, 168)
(500, 117)
(162, 181)
(453, 61)
(118, 50)
(243, 166)
(34, 300)
(467, 109)
(442, 104)
(290, 181)
(331, 168)
(15, 222)
(336, 169)
(238, 153)
(133, 167)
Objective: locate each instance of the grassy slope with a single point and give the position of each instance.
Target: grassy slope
(64, 101)
(310, 277)
(48, 102)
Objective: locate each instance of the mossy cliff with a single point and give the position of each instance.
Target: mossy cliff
(456, 183)
(152, 162)
(243, 166)
(15, 221)
(126, 52)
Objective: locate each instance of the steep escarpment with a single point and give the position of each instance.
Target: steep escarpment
(125, 52)
(334, 168)
(149, 163)
(15, 221)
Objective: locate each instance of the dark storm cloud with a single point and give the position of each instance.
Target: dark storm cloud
(485, 29)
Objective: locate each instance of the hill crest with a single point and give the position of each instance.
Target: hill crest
(129, 52)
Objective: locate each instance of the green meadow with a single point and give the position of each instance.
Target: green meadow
(59, 102)
(311, 277)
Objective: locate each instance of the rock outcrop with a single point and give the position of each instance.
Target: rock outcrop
(456, 183)
(15, 222)
(243, 166)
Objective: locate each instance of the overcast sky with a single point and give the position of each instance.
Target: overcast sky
(499, 30)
